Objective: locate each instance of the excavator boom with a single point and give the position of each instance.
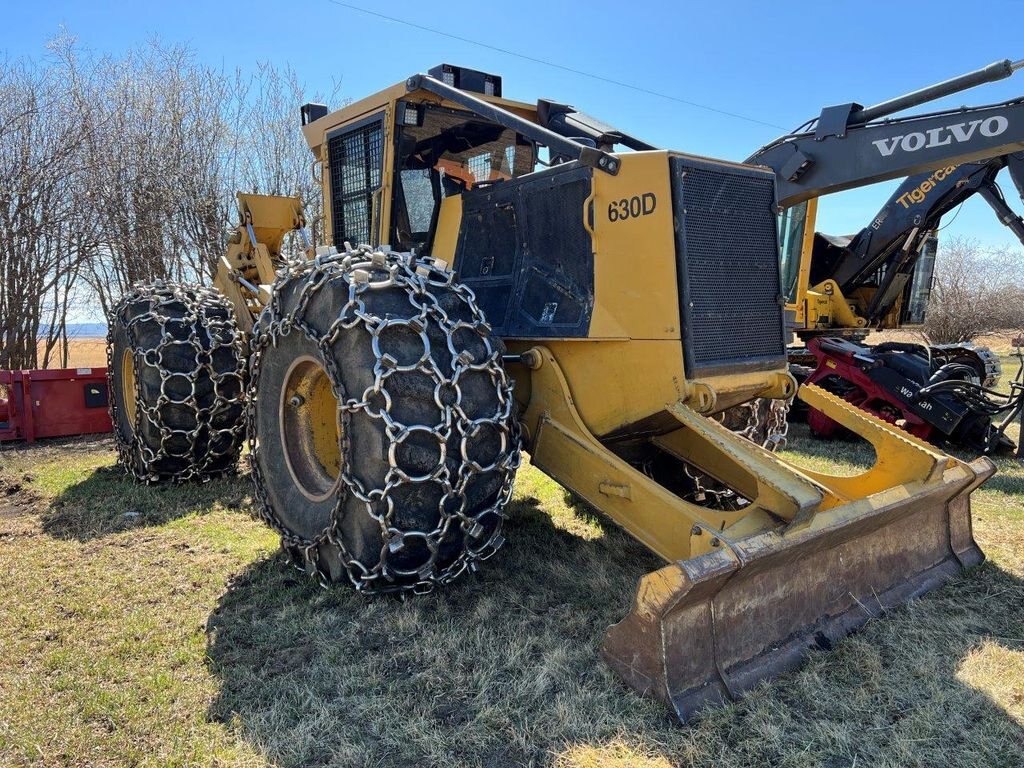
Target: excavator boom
(845, 148)
(850, 146)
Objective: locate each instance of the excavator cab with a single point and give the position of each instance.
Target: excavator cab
(794, 257)
(816, 301)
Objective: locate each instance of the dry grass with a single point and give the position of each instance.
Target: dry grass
(82, 353)
(160, 627)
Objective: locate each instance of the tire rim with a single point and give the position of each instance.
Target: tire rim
(128, 385)
(311, 432)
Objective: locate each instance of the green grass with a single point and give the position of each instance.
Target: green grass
(159, 626)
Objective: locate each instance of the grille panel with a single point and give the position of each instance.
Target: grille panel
(728, 260)
(355, 159)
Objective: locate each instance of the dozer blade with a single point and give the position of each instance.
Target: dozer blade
(704, 630)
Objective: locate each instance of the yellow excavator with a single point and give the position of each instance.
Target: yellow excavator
(592, 302)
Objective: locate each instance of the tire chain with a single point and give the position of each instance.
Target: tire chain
(221, 331)
(364, 269)
(777, 428)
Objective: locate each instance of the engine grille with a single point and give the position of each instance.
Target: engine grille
(728, 262)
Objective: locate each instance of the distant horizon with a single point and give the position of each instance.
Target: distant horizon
(79, 330)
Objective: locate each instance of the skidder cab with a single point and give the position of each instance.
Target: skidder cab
(556, 284)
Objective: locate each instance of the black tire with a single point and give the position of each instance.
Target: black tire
(382, 425)
(176, 366)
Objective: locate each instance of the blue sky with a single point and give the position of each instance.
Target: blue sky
(776, 63)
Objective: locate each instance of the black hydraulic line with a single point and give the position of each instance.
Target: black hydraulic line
(1015, 167)
(950, 383)
(559, 145)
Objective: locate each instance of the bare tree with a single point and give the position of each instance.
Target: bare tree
(169, 143)
(975, 291)
(119, 169)
(40, 243)
(272, 157)
(149, 120)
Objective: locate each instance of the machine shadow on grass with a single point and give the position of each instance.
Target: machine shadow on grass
(445, 678)
(107, 501)
(1006, 482)
(502, 669)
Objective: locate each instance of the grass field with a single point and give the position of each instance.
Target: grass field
(82, 353)
(159, 626)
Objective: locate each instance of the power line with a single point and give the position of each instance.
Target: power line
(553, 65)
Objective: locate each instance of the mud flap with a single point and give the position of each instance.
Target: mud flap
(704, 630)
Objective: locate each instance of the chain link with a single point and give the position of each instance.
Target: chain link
(179, 323)
(763, 422)
(473, 353)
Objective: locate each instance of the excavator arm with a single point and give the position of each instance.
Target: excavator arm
(914, 208)
(899, 267)
(849, 146)
(894, 239)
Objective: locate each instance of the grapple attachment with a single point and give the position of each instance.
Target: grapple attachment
(705, 629)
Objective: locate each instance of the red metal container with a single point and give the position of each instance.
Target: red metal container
(53, 403)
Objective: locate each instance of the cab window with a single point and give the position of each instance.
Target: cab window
(791, 238)
(442, 152)
(355, 159)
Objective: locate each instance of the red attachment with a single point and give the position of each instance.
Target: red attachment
(838, 358)
(54, 403)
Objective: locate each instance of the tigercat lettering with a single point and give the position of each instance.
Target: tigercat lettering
(919, 193)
